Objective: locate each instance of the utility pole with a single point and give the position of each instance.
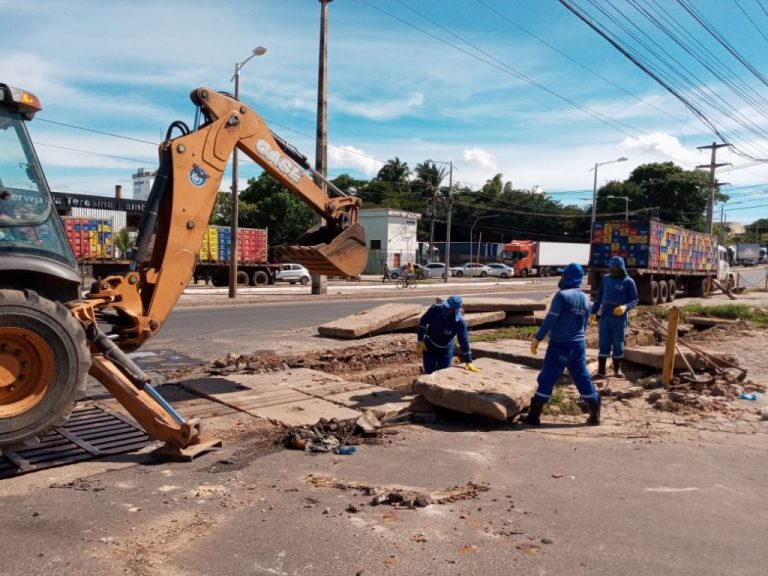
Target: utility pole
(448, 231)
(431, 254)
(319, 282)
(712, 166)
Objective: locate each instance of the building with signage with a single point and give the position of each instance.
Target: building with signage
(391, 236)
(142, 183)
(123, 213)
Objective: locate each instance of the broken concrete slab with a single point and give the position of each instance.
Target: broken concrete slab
(499, 391)
(275, 402)
(709, 322)
(653, 357)
(473, 319)
(369, 321)
(516, 319)
(518, 352)
(473, 304)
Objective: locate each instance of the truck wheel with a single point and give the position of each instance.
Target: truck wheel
(544, 272)
(242, 278)
(663, 291)
(260, 278)
(524, 272)
(672, 290)
(654, 293)
(304, 280)
(44, 361)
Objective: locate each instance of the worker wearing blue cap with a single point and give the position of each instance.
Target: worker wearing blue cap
(566, 323)
(616, 296)
(438, 327)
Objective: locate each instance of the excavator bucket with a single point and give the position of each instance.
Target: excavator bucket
(329, 251)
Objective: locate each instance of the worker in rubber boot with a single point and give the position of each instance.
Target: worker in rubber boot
(438, 327)
(616, 296)
(566, 323)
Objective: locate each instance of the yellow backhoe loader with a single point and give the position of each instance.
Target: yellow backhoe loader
(52, 335)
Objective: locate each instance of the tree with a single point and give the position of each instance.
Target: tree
(394, 171)
(266, 203)
(222, 209)
(122, 241)
(757, 231)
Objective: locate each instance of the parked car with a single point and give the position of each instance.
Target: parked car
(293, 273)
(420, 271)
(436, 269)
(501, 270)
(471, 269)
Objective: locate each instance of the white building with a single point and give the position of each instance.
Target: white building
(391, 236)
(142, 183)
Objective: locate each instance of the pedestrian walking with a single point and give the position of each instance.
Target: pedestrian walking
(438, 328)
(616, 296)
(566, 324)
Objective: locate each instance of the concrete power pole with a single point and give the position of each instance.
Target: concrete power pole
(448, 224)
(431, 254)
(712, 166)
(320, 283)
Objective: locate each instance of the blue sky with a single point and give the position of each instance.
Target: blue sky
(394, 90)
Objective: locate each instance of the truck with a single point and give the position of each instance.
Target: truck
(535, 258)
(747, 254)
(663, 259)
(92, 242)
(464, 252)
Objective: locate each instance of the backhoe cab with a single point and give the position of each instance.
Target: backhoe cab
(51, 337)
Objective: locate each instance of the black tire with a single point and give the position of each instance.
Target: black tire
(654, 292)
(459, 274)
(663, 292)
(504, 275)
(63, 339)
(672, 291)
(544, 272)
(218, 281)
(483, 274)
(260, 278)
(394, 276)
(304, 280)
(292, 282)
(524, 273)
(242, 278)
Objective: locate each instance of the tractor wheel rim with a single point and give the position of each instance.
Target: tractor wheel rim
(27, 370)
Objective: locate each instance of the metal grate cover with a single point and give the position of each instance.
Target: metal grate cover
(89, 433)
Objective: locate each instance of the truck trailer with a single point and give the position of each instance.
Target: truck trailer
(534, 258)
(663, 259)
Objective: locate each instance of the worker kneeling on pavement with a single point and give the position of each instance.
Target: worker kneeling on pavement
(439, 325)
(566, 323)
(616, 296)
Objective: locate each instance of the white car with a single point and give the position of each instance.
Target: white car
(436, 269)
(501, 270)
(293, 273)
(471, 270)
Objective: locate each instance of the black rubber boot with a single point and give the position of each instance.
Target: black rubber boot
(534, 412)
(601, 362)
(617, 368)
(594, 412)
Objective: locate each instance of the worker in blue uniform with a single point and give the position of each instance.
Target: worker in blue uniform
(438, 327)
(566, 323)
(616, 296)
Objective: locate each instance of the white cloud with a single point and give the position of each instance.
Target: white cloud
(663, 146)
(381, 109)
(480, 158)
(350, 157)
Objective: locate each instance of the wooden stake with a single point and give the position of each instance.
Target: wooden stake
(669, 353)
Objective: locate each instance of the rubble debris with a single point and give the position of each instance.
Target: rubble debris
(368, 321)
(478, 304)
(499, 391)
(401, 496)
(333, 435)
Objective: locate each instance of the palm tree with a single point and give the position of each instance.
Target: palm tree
(394, 171)
(122, 241)
(429, 175)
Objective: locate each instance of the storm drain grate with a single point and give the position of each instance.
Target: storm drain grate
(89, 433)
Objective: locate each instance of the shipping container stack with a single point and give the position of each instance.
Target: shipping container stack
(217, 245)
(653, 245)
(90, 238)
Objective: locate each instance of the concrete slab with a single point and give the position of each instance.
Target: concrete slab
(474, 319)
(519, 319)
(369, 321)
(653, 356)
(269, 400)
(518, 352)
(478, 304)
(499, 391)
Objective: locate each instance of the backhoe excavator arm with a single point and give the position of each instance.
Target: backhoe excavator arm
(137, 303)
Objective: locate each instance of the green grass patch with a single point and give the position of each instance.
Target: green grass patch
(727, 311)
(514, 332)
(562, 402)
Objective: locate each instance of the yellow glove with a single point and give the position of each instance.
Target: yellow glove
(619, 310)
(535, 346)
(471, 367)
(420, 348)
(593, 320)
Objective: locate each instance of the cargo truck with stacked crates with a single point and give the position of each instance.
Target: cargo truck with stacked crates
(92, 241)
(663, 259)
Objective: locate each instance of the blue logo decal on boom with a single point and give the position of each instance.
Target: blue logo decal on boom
(197, 176)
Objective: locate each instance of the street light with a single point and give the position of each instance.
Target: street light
(471, 239)
(594, 187)
(258, 51)
(626, 205)
(448, 223)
